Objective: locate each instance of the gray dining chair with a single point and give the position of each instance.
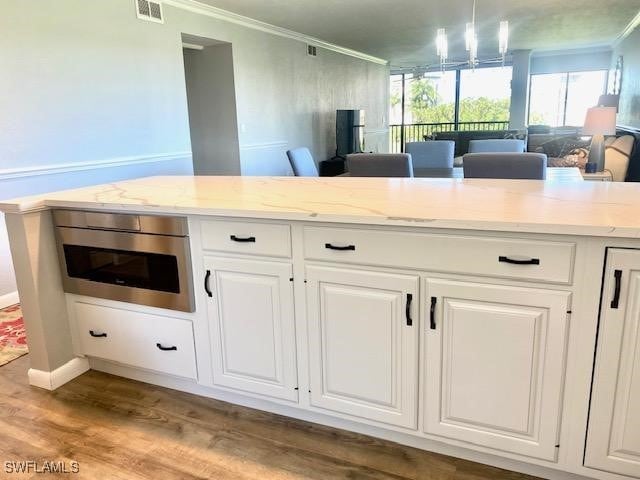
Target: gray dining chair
(302, 162)
(431, 154)
(380, 165)
(510, 145)
(524, 166)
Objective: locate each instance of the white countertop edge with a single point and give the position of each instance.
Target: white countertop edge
(34, 205)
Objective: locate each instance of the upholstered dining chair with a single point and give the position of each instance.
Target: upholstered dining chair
(380, 165)
(527, 166)
(302, 162)
(431, 154)
(510, 145)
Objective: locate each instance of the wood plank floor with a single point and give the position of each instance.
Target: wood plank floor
(121, 429)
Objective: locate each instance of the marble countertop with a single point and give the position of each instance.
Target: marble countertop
(576, 208)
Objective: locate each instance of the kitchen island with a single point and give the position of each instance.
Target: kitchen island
(459, 316)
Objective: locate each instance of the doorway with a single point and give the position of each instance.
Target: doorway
(211, 100)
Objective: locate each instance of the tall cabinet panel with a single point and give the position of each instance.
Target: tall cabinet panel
(613, 439)
(494, 362)
(252, 327)
(363, 343)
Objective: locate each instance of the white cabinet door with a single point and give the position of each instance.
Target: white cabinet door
(252, 326)
(613, 440)
(494, 364)
(362, 343)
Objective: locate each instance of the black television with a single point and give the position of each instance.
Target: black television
(349, 132)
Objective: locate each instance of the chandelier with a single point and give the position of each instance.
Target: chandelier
(471, 43)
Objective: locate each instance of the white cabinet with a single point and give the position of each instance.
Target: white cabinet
(153, 342)
(493, 365)
(613, 439)
(363, 343)
(252, 326)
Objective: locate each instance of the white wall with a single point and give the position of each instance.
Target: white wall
(86, 81)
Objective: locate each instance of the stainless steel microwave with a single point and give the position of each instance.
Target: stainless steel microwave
(143, 259)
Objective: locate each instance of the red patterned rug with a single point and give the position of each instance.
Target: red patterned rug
(13, 338)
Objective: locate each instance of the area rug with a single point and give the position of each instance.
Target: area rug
(13, 338)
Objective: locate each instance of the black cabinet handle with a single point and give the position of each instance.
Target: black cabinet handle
(243, 239)
(166, 349)
(97, 335)
(206, 283)
(408, 309)
(617, 275)
(432, 313)
(531, 261)
(342, 249)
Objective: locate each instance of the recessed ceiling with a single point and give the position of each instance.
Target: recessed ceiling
(403, 31)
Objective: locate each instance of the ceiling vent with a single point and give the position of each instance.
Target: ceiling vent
(150, 10)
(312, 51)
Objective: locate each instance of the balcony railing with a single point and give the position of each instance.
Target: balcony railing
(415, 132)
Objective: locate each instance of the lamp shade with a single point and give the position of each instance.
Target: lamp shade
(600, 121)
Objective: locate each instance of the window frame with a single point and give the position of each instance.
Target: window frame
(566, 91)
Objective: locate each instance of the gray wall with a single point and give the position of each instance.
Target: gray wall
(630, 94)
(519, 106)
(286, 99)
(576, 61)
(212, 110)
(86, 81)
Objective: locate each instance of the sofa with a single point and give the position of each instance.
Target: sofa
(462, 138)
(570, 149)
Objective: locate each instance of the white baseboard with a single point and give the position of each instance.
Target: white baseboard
(9, 299)
(61, 375)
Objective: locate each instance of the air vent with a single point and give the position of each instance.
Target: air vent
(150, 10)
(312, 51)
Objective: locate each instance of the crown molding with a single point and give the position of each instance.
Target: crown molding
(220, 14)
(628, 29)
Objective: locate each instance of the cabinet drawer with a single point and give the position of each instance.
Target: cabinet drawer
(98, 331)
(497, 257)
(247, 237)
(162, 344)
(138, 339)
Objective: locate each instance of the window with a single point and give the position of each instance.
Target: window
(430, 98)
(423, 104)
(485, 96)
(562, 99)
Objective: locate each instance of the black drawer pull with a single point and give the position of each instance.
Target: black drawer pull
(615, 303)
(408, 310)
(206, 283)
(531, 261)
(243, 239)
(166, 349)
(432, 313)
(97, 335)
(342, 249)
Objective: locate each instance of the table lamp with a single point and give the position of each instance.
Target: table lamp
(600, 121)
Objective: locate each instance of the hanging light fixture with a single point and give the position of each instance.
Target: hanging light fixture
(471, 43)
(442, 46)
(503, 39)
(471, 38)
